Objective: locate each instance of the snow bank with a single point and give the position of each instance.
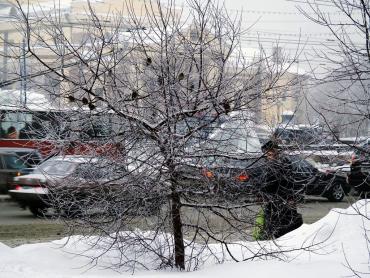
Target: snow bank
(335, 242)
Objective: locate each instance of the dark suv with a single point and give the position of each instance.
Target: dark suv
(362, 156)
(359, 171)
(14, 162)
(320, 182)
(306, 175)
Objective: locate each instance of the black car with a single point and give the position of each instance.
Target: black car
(330, 184)
(359, 179)
(241, 178)
(14, 162)
(222, 164)
(362, 156)
(359, 170)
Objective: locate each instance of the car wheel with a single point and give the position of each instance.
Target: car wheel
(72, 211)
(336, 193)
(38, 211)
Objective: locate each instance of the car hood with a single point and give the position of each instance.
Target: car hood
(35, 190)
(35, 178)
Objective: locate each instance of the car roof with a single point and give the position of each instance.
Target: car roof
(14, 150)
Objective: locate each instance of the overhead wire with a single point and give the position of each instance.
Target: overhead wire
(323, 3)
(270, 12)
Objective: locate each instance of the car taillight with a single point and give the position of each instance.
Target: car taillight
(17, 187)
(207, 173)
(18, 174)
(242, 177)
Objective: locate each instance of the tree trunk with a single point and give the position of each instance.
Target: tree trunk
(177, 231)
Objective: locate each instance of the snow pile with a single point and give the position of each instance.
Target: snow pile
(327, 248)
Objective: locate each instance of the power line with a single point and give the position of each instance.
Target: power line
(290, 34)
(264, 12)
(289, 41)
(316, 2)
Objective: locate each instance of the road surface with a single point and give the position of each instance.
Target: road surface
(18, 226)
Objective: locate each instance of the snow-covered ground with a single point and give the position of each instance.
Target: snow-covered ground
(342, 233)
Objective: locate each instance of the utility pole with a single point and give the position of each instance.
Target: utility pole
(23, 69)
(5, 57)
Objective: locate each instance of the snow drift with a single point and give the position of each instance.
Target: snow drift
(334, 246)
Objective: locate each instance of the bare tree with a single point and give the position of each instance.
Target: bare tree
(163, 99)
(348, 79)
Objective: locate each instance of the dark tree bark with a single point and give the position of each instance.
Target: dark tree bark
(177, 231)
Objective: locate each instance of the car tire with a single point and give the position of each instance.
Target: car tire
(336, 193)
(38, 211)
(72, 211)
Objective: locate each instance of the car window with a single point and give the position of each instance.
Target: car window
(302, 164)
(12, 161)
(101, 170)
(30, 158)
(57, 167)
(1, 162)
(363, 150)
(234, 137)
(90, 171)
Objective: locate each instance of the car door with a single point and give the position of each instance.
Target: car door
(304, 174)
(13, 164)
(3, 176)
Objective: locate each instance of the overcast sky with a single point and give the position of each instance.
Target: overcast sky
(280, 21)
(273, 15)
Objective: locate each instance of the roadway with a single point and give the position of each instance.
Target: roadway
(18, 226)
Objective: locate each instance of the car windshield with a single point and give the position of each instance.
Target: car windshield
(327, 160)
(30, 158)
(234, 137)
(57, 167)
(90, 171)
(295, 134)
(363, 150)
(13, 161)
(301, 162)
(311, 161)
(21, 159)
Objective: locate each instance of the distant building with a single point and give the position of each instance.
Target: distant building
(287, 96)
(74, 21)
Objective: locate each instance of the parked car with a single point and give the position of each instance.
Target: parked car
(318, 181)
(359, 179)
(219, 163)
(14, 162)
(307, 174)
(72, 183)
(362, 156)
(232, 163)
(33, 190)
(358, 171)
